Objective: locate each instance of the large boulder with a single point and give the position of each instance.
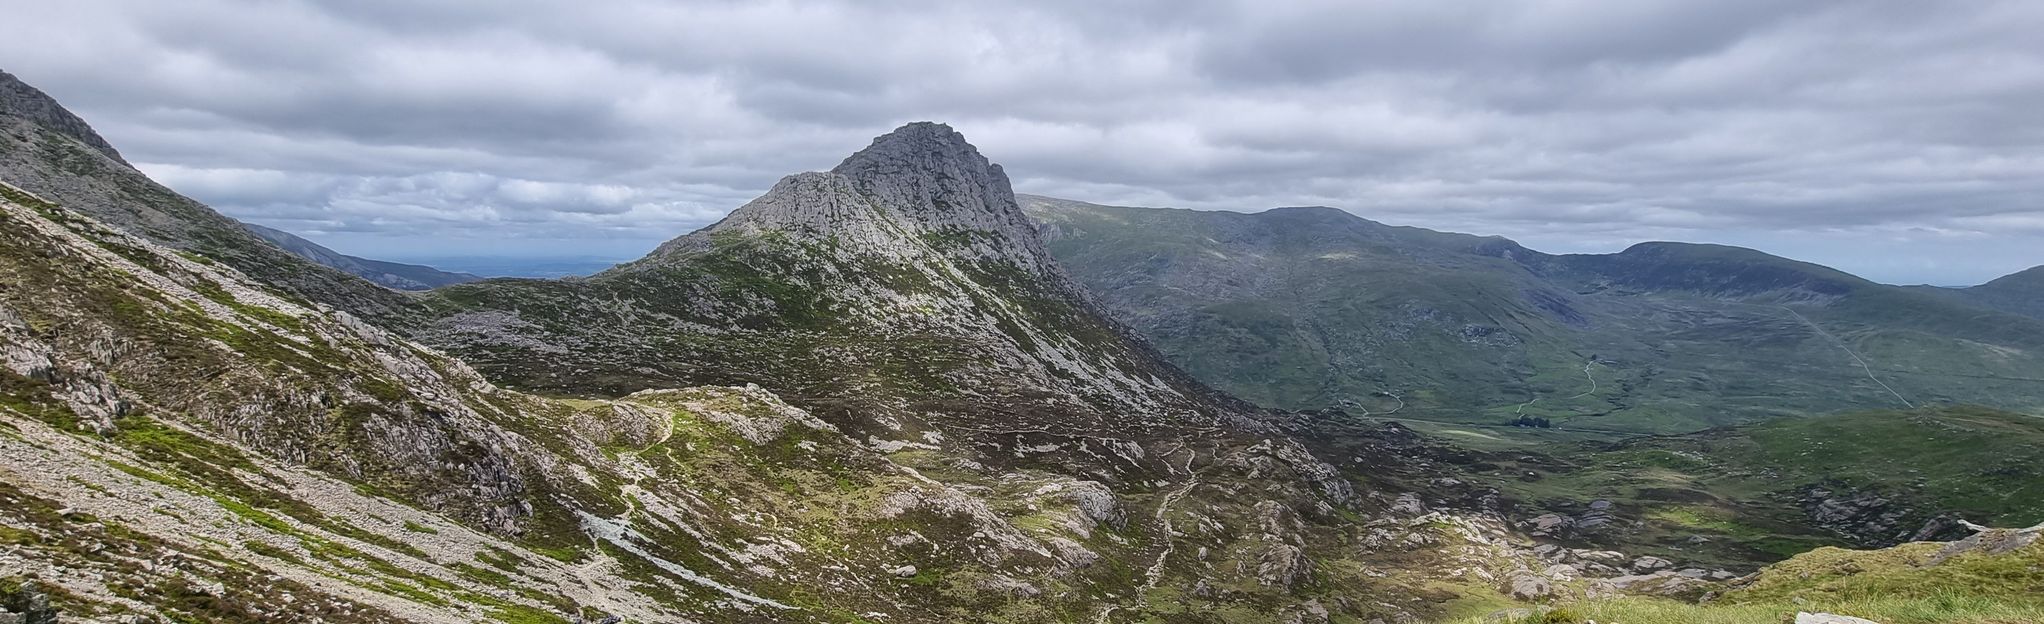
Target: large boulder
(1528, 586)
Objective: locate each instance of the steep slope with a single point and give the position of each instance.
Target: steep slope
(1315, 308)
(177, 442)
(46, 150)
(905, 280)
(181, 441)
(387, 274)
(902, 298)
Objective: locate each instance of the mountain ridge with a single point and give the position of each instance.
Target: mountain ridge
(2021, 292)
(394, 275)
(918, 234)
(20, 99)
(1320, 308)
(50, 152)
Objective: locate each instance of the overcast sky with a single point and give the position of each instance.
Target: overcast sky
(1901, 140)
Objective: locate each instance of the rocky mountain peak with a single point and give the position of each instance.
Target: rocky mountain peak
(19, 99)
(922, 144)
(921, 185)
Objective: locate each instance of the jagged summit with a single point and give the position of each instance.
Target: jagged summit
(915, 144)
(916, 240)
(19, 99)
(931, 176)
(922, 183)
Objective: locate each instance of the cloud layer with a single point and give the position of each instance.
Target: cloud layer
(1897, 139)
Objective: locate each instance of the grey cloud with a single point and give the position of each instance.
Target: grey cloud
(1886, 124)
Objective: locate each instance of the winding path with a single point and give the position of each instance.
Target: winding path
(1869, 370)
(1592, 378)
(1155, 573)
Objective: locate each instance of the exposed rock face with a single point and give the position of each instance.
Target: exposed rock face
(1596, 517)
(1989, 541)
(26, 604)
(19, 99)
(1871, 518)
(1650, 564)
(912, 253)
(1527, 586)
(923, 180)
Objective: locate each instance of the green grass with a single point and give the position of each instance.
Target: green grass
(1950, 609)
(1740, 487)
(1900, 585)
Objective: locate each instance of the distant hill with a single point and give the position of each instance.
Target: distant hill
(2021, 292)
(547, 267)
(1306, 308)
(390, 274)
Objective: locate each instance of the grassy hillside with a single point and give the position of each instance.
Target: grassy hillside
(1309, 308)
(1761, 492)
(1996, 577)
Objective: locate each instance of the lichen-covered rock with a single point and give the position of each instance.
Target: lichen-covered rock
(1528, 586)
(1092, 504)
(1282, 565)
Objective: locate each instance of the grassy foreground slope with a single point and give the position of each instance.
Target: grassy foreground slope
(1742, 495)
(1995, 577)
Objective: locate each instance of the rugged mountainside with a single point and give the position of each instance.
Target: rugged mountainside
(871, 395)
(903, 298)
(184, 440)
(1316, 308)
(178, 442)
(905, 281)
(46, 150)
(387, 274)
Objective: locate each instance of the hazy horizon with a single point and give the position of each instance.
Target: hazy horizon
(464, 255)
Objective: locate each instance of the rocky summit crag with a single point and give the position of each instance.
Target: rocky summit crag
(905, 281)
